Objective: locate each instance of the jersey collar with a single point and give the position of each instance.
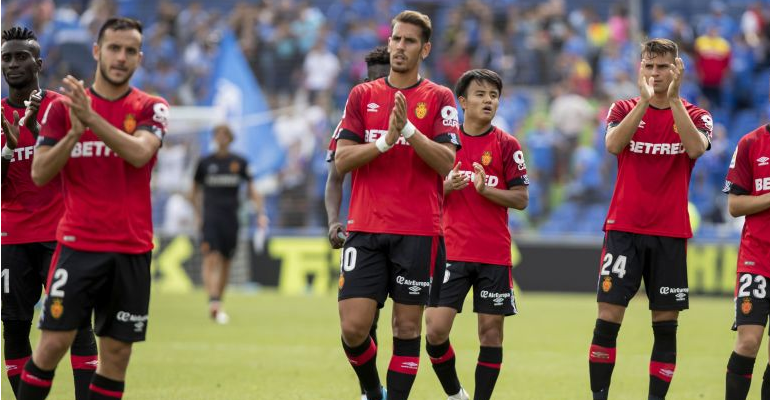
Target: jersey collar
(95, 93)
(487, 132)
(419, 81)
(14, 105)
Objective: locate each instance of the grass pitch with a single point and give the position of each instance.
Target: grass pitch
(288, 348)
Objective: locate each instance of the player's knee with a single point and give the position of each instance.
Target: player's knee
(436, 334)
(490, 335)
(748, 345)
(116, 354)
(406, 328)
(354, 333)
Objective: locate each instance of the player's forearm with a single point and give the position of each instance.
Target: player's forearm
(49, 160)
(440, 157)
(695, 143)
(516, 197)
(134, 149)
(619, 137)
(333, 194)
(747, 205)
(352, 156)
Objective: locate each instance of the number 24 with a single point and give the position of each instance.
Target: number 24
(619, 268)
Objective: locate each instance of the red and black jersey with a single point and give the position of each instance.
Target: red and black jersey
(30, 213)
(749, 175)
(106, 199)
(475, 228)
(398, 192)
(654, 172)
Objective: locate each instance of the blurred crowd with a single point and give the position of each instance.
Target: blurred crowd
(563, 63)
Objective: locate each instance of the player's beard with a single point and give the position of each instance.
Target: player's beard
(104, 71)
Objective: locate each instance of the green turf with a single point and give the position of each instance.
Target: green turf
(288, 348)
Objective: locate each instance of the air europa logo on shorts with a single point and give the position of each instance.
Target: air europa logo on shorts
(672, 290)
(125, 316)
(498, 297)
(403, 281)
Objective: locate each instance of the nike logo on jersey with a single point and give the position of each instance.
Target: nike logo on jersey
(656, 148)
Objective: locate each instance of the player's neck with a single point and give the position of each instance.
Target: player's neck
(19, 96)
(403, 80)
(659, 100)
(222, 153)
(108, 90)
(476, 128)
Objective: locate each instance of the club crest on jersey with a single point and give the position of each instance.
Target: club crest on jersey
(607, 284)
(56, 308)
(746, 306)
(234, 167)
(129, 124)
(486, 158)
(421, 110)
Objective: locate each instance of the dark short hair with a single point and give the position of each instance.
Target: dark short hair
(478, 75)
(659, 47)
(415, 18)
(119, 24)
(25, 35)
(18, 33)
(378, 56)
(226, 129)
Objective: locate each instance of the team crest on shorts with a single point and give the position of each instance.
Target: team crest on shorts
(421, 110)
(342, 281)
(486, 158)
(57, 308)
(129, 124)
(746, 306)
(607, 284)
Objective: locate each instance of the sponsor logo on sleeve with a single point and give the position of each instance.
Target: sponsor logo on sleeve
(449, 116)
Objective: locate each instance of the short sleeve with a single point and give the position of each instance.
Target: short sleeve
(703, 122)
(739, 176)
(618, 110)
(446, 127)
(200, 172)
(352, 124)
(332, 148)
(245, 171)
(154, 117)
(54, 125)
(514, 167)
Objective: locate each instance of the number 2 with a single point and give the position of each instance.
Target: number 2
(59, 280)
(619, 268)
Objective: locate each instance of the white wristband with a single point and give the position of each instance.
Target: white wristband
(408, 130)
(7, 152)
(382, 145)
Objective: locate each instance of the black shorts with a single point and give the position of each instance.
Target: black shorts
(661, 261)
(492, 287)
(375, 265)
(752, 304)
(220, 234)
(115, 286)
(25, 268)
